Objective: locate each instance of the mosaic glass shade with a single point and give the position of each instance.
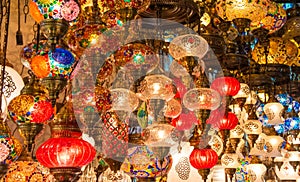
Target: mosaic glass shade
(275, 19)
(9, 152)
(24, 171)
(27, 108)
(57, 63)
(81, 40)
(232, 9)
(141, 162)
(188, 45)
(105, 5)
(136, 56)
(202, 98)
(280, 52)
(53, 9)
(115, 142)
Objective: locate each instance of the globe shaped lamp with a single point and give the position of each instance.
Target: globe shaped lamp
(274, 111)
(141, 162)
(226, 86)
(66, 152)
(202, 98)
(30, 111)
(203, 160)
(53, 16)
(54, 67)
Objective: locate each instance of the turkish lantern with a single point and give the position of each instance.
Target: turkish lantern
(184, 121)
(226, 86)
(66, 152)
(203, 160)
(228, 122)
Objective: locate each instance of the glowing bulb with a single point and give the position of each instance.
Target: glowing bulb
(156, 88)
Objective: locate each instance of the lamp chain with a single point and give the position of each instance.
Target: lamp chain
(26, 9)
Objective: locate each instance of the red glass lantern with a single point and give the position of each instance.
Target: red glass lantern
(184, 121)
(65, 152)
(203, 158)
(228, 122)
(226, 86)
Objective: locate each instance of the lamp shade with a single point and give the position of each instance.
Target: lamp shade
(226, 86)
(253, 127)
(244, 91)
(185, 121)
(13, 83)
(65, 152)
(230, 160)
(281, 51)
(202, 98)
(24, 171)
(203, 158)
(188, 45)
(274, 111)
(256, 172)
(274, 20)
(141, 162)
(252, 10)
(156, 87)
(28, 108)
(56, 9)
(158, 135)
(53, 63)
(123, 100)
(228, 122)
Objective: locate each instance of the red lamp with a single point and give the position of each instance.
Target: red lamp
(185, 121)
(226, 86)
(228, 122)
(203, 160)
(65, 153)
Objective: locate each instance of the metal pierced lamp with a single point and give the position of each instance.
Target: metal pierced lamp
(65, 153)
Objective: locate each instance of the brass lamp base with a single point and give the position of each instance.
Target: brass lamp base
(66, 174)
(29, 131)
(3, 169)
(54, 86)
(204, 173)
(114, 164)
(54, 29)
(241, 24)
(230, 172)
